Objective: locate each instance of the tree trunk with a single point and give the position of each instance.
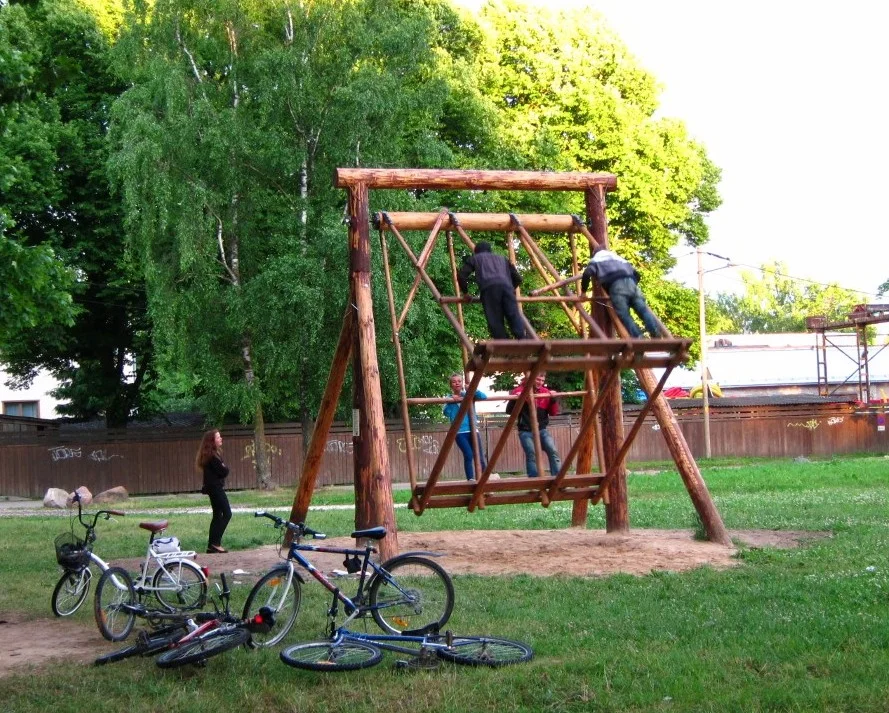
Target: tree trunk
(263, 469)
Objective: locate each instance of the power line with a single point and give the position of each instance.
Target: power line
(777, 273)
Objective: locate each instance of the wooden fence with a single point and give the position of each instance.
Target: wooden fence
(161, 460)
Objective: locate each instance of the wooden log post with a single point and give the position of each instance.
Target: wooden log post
(617, 515)
(373, 478)
(326, 412)
(685, 463)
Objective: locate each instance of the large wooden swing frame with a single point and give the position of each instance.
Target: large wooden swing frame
(597, 352)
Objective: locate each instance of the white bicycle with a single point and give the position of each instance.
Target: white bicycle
(168, 573)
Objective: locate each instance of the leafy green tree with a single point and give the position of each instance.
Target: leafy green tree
(36, 286)
(59, 215)
(578, 101)
(225, 145)
(775, 302)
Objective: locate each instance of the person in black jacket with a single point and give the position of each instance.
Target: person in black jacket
(621, 281)
(497, 280)
(208, 461)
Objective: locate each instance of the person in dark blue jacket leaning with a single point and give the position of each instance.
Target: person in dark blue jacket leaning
(497, 280)
(621, 281)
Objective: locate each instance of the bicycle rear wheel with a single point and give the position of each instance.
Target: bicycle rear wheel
(181, 585)
(328, 656)
(272, 591)
(486, 651)
(71, 591)
(216, 642)
(114, 592)
(417, 594)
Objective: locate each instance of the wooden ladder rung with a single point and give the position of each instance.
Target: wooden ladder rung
(463, 487)
(534, 496)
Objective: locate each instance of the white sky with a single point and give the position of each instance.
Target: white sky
(788, 98)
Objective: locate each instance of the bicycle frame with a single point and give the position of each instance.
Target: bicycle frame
(354, 606)
(387, 641)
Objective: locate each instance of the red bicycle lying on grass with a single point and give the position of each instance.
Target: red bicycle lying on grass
(181, 638)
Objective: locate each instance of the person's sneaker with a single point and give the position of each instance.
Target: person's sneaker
(494, 476)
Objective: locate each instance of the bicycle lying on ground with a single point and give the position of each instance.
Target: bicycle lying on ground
(407, 594)
(350, 650)
(176, 581)
(75, 555)
(181, 638)
(347, 650)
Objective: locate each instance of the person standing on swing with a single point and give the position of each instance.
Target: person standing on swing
(497, 281)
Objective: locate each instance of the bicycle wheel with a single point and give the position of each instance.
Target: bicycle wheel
(181, 585)
(328, 656)
(486, 651)
(113, 592)
(216, 642)
(271, 591)
(417, 593)
(71, 591)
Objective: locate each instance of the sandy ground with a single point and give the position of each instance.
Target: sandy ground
(28, 642)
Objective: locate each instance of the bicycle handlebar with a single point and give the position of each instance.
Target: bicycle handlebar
(298, 529)
(106, 513)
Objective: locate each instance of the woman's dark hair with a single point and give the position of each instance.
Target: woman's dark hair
(206, 450)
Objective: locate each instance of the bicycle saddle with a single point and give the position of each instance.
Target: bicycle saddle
(372, 533)
(154, 526)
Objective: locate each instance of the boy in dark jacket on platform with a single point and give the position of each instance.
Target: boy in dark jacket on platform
(497, 280)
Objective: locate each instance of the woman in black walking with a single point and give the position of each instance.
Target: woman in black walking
(209, 462)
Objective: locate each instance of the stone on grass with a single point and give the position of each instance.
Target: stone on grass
(112, 495)
(86, 497)
(55, 498)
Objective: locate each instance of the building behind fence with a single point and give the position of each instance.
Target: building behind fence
(160, 460)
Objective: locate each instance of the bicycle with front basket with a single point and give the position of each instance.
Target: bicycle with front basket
(75, 555)
(406, 594)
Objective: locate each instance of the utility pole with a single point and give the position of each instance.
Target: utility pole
(705, 387)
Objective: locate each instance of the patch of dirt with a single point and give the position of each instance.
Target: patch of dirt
(32, 642)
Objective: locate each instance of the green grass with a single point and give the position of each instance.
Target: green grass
(805, 629)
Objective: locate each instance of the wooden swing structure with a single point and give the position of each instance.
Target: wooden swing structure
(598, 352)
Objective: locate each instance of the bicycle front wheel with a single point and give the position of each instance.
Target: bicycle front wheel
(272, 591)
(486, 651)
(114, 597)
(328, 656)
(71, 591)
(180, 585)
(216, 642)
(413, 593)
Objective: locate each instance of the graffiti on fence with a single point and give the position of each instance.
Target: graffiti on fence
(100, 456)
(270, 449)
(809, 425)
(427, 444)
(64, 453)
(834, 420)
(337, 446)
